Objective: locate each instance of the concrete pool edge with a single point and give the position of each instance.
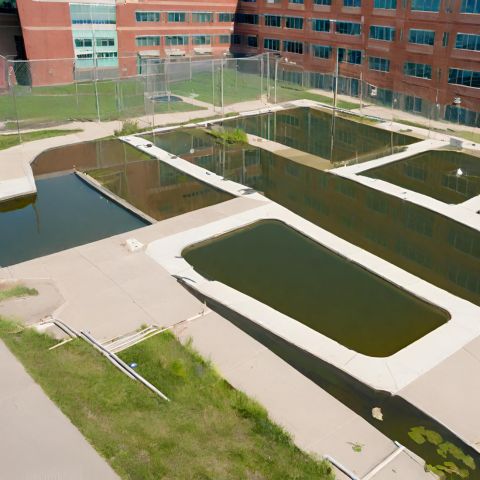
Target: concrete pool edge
(390, 373)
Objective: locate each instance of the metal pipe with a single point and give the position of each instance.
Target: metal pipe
(341, 467)
(123, 365)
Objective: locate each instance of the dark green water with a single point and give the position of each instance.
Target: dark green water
(433, 247)
(65, 213)
(310, 130)
(434, 174)
(280, 267)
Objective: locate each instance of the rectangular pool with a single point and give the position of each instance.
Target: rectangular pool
(291, 273)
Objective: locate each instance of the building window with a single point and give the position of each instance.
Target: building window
(201, 40)
(294, 22)
(92, 14)
(150, 41)
(420, 70)
(296, 1)
(349, 56)
(176, 17)
(224, 39)
(426, 5)
(249, 1)
(293, 47)
(385, 4)
(107, 54)
(322, 2)
(202, 17)
(320, 25)
(382, 33)
(147, 16)
(105, 42)
(249, 18)
(273, 21)
(467, 41)
(271, 44)
(468, 78)
(235, 39)
(470, 6)
(226, 17)
(252, 41)
(83, 42)
(379, 64)
(176, 40)
(83, 56)
(322, 51)
(348, 28)
(413, 104)
(423, 37)
(352, 3)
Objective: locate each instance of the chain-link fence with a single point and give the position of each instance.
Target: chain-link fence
(34, 94)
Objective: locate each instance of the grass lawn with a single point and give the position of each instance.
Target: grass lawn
(126, 98)
(472, 136)
(10, 140)
(207, 431)
(17, 291)
(67, 102)
(241, 87)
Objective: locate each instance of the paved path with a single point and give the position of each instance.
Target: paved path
(37, 441)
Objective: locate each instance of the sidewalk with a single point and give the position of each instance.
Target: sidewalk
(37, 440)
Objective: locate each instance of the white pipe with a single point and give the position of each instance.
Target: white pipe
(341, 467)
(122, 364)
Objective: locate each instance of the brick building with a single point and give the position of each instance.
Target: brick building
(426, 50)
(418, 55)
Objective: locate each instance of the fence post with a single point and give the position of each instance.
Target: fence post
(12, 88)
(213, 84)
(221, 86)
(261, 77)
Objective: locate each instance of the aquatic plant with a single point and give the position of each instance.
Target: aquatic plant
(129, 127)
(229, 136)
(447, 469)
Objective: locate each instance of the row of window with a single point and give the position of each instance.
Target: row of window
(456, 76)
(465, 41)
(181, 40)
(99, 42)
(467, 6)
(181, 17)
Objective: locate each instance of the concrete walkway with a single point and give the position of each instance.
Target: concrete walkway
(114, 291)
(37, 441)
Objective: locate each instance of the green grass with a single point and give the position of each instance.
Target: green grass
(67, 102)
(472, 136)
(125, 99)
(207, 431)
(229, 136)
(10, 140)
(17, 291)
(241, 87)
